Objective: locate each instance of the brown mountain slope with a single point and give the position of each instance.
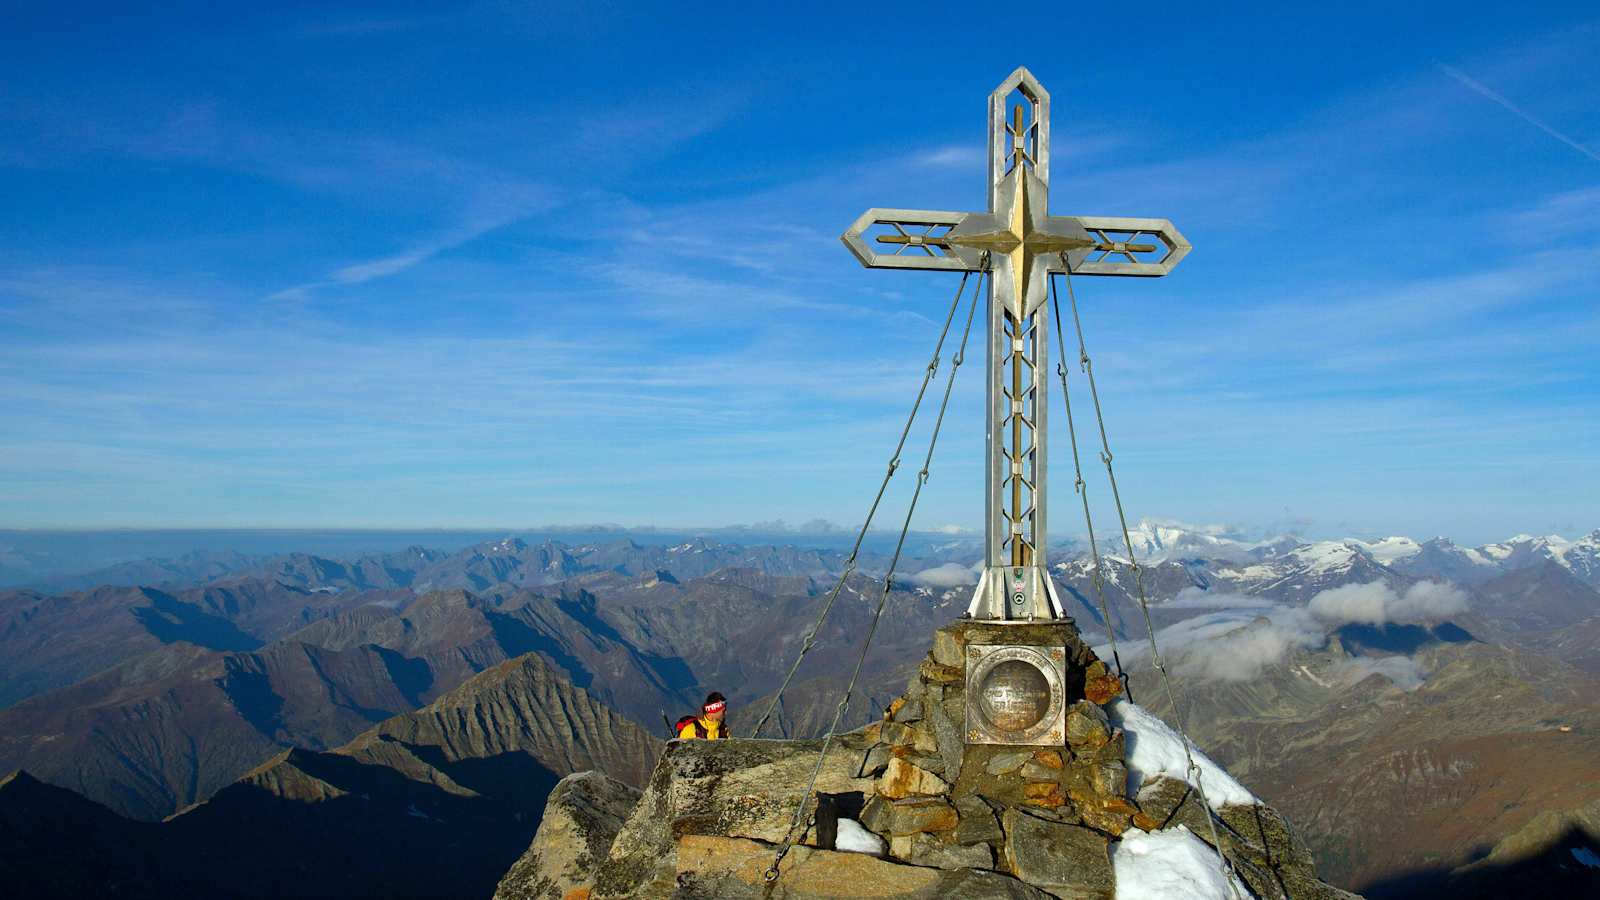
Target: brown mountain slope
(1386, 784)
(434, 803)
(48, 642)
(167, 728)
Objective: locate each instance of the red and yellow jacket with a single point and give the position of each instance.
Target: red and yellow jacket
(701, 728)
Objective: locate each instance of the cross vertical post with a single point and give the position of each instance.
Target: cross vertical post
(1019, 243)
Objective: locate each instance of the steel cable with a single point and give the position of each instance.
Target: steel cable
(794, 831)
(894, 464)
(1083, 490)
(1193, 771)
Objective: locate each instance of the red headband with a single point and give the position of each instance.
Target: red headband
(718, 706)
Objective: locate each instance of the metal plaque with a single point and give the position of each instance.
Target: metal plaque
(1016, 695)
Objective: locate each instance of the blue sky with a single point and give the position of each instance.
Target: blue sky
(510, 265)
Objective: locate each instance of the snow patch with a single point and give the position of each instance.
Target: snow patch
(1171, 864)
(1392, 549)
(853, 837)
(1154, 748)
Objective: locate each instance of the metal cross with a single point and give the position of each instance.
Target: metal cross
(1020, 244)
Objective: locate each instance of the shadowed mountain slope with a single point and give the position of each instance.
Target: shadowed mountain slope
(435, 803)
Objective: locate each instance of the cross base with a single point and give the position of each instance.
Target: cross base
(1015, 594)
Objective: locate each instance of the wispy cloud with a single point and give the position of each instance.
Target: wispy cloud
(1484, 90)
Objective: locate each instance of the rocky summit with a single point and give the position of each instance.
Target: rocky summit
(907, 807)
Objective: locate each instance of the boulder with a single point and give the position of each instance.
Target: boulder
(903, 710)
(947, 649)
(947, 731)
(934, 673)
(875, 761)
(732, 788)
(1266, 852)
(978, 822)
(1088, 729)
(918, 814)
(581, 818)
(904, 779)
(940, 853)
(709, 866)
(1099, 685)
(1004, 762)
(1069, 861)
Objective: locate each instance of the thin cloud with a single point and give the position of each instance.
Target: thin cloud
(1377, 603)
(382, 267)
(948, 575)
(1484, 90)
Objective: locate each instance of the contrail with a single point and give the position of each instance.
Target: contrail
(1478, 87)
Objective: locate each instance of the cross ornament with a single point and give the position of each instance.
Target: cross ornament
(1019, 244)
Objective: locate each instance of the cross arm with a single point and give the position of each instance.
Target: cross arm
(909, 239)
(883, 238)
(1126, 246)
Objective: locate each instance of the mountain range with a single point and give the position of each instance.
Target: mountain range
(270, 674)
(462, 779)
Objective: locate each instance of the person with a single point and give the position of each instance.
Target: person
(708, 726)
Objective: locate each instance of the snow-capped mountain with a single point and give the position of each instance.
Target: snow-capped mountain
(1155, 540)
(1260, 565)
(1308, 569)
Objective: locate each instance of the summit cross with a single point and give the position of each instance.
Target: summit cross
(1019, 244)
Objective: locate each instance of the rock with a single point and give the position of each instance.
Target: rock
(1066, 860)
(1088, 729)
(1033, 771)
(948, 649)
(581, 818)
(1044, 793)
(729, 867)
(927, 850)
(1100, 686)
(948, 734)
(895, 734)
(978, 822)
(875, 761)
(908, 711)
(1114, 749)
(713, 866)
(1109, 779)
(731, 788)
(1001, 763)
(1050, 759)
(918, 814)
(934, 673)
(904, 779)
(875, 815)
(933, 764)
(976, 884)
(1113, 818)
(1273, 860)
